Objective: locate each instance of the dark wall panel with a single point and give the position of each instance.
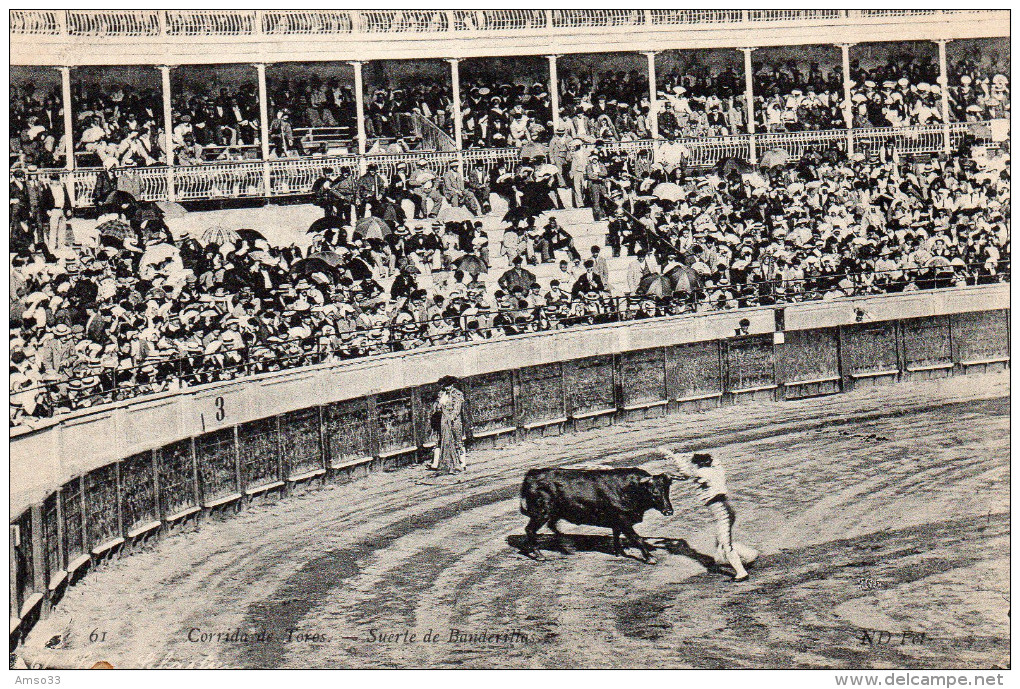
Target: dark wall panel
(750, 363)
(396, 423)
(491, 400)
(589, 384)
(347, 432)
(101, 509)
(73, 518)
(980, 336)
(427, 395)
(644, 376)
(52, 530)
(24, 562)
(869, 348)
(809, 355)
(541, 393)
(138, 491)
(300, 436)
(176, 478)
(260, 454)
(693, 370)
(217, 467)
(926, 341)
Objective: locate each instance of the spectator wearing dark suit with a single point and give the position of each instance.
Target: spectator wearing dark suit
(588, 282)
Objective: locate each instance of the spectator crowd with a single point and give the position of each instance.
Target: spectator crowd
(400, 262)
(124, 123)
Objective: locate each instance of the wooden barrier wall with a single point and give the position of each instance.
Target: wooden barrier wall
(94, 513)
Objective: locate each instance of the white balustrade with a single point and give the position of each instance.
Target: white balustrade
(577, 19)
(294, 176)
(359, 22)
(113, 23)
(36, 22)
(210, 22)
(307, 23)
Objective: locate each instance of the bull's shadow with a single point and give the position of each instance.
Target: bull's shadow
(590, 543)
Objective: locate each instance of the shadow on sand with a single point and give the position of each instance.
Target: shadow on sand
(587, 543)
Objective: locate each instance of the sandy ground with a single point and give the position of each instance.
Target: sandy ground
(881, 516)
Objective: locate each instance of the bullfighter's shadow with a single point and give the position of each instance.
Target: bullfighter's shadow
(590, 543)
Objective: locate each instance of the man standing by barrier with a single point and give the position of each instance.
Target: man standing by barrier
(449, 408)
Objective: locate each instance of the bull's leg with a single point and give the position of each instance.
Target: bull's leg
(640, 542)
(563, 541)
(531, 530)
(617, 548)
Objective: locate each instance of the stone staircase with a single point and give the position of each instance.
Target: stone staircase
(581, 225)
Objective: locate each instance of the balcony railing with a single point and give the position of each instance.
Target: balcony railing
(114, 23)
(294, 176)
(372, 22)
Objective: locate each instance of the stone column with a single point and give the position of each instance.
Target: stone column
(653, 96)
(458, 109)
(359, 100)
(944, 87)
(749, 99)
(848, 113)
(554, 90)
(168, 134)
(65, 90)
(267, 182)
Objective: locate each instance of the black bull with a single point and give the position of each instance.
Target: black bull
(616, 499)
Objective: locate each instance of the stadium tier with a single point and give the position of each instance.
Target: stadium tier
(708, 179)
(246, 244)
(243, 130)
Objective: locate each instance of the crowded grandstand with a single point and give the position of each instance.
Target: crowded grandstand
(505, 202)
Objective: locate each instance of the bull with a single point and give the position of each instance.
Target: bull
(615, 499)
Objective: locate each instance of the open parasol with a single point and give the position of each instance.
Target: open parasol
(358, 269)
(121, 202)
(307, 266)
(775, 158)
(331, 257)
(219, 236)
(373, 228)
(472, 265)
(684, 279)
(116, 229)
(655, 285)
(157, 253)
(449, 213)
(668, 192)
(330, 222)
(250, 235)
